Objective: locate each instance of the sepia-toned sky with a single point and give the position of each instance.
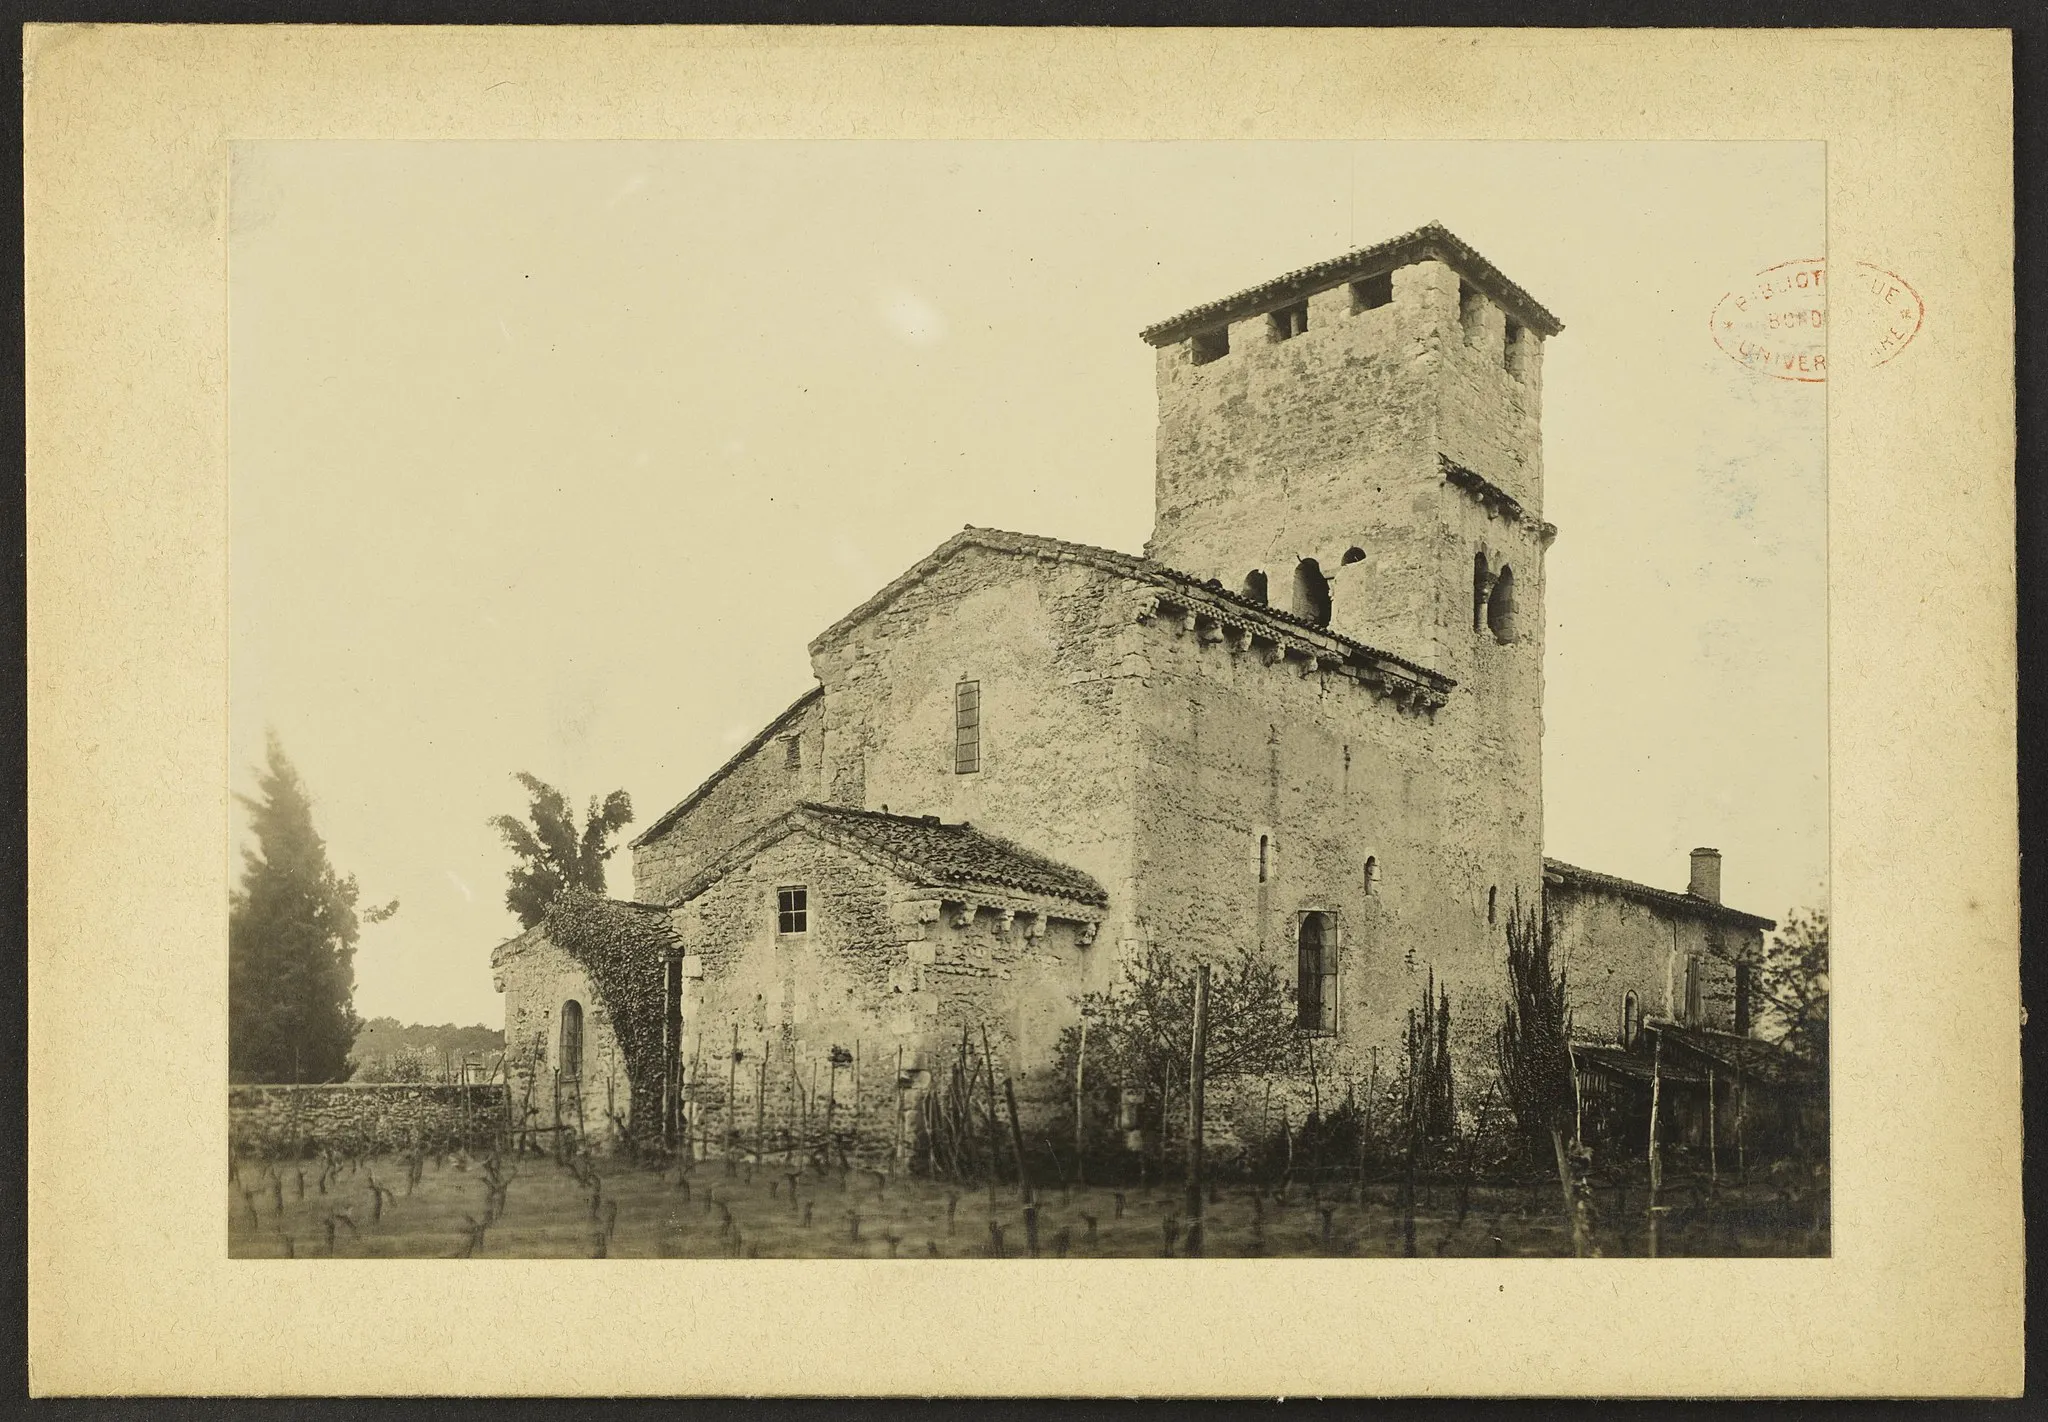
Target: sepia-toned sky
(553, 457)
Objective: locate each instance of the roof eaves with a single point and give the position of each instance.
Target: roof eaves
(1648, 893)
(1430, 240)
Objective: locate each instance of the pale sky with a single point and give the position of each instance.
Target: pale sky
(554, 457)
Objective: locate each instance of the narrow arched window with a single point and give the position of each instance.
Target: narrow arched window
(1354, 554)
(1631, 1019)
(1372, 875)
(1316, 976)
(1500, 607)
(1492, 893)
(1265, 848)
(1255, 585)
(572, 1038)
(1482, 583)
(1311, 593)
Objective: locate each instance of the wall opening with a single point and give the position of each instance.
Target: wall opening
(1255, 585)
(1371, 293)
(792, 909)
(572, 1038)
(1316, 975)
(1500, 607)
(1289, 321)
(1511, 347)
(1631, 1019)
(1265, 856)
(1354, 554)
(967, 728)
(1694, 1004)
(1492, 897)
(1205, 346)
(1482, 583)
(1471, 309)
(1372, 875)
(1311, 593)
(1743, 989)
(792, 752)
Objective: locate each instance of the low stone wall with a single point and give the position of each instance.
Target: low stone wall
(363, 1118)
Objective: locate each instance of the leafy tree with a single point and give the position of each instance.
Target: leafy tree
(1535, 1035)
(555, 857)
(1795, 984)
(1142, 1029)
(292, 928)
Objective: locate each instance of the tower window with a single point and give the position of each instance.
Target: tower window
(1265, 856)
(1373, 292)
(792, 909)
(1354, 554)
(1482, 584)
(1205, 346)
(1255, 585)
(1492, 896)
(1372, 875)
(792, 752)
(1500, 607)
(1316, 976)
(967, 728)
(1631, 1019)
(1471, 309)
(1511, 347)
(1289, 321)
(1311, 593)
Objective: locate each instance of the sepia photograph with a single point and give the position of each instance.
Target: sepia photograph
(1061, 700)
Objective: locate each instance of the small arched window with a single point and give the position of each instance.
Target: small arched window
(1265, 855)
(1372, 875)
(1311, 593)
(1482, 583)
(1631, 1019)
(1492, 894)
(1500, 607)
(1255, 585)
(1354, 554)
(572, 1038)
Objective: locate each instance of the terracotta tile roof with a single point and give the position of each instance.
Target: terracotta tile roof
(1558, 872)
(689, 801)
(1430, 240)
(921, 849)
(1143, 570)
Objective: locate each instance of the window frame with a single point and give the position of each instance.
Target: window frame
(792, 910)
(1325, 975)
(967, 726)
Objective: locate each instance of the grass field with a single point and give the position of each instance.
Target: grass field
(450, 1207)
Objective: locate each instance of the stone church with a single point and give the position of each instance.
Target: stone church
(1307, 721)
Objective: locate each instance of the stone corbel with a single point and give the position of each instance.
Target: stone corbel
(1004, 920)
(1311, 664)
(1276, 654)
(963, 916)
(1088, 932)
(1242, 642)
(1034, 926)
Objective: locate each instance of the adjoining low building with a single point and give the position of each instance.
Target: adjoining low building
(1306, 723)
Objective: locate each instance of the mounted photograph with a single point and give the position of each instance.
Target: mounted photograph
(943, 700)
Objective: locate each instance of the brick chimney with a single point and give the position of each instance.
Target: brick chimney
(1706, 875)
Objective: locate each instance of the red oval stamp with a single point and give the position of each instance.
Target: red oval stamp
(1779, 323)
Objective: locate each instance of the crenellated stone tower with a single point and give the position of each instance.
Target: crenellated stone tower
(1359, 443)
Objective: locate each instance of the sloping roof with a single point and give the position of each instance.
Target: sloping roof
(1688, 905)
(767, 732)
(921, 849)
(1431, 239)
(1751, 1056)
(1139, 569)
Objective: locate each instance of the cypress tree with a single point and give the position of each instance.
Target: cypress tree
(292, 930)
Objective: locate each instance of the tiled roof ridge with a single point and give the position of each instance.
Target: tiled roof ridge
(1672, 898)
(1430, 239)
(1082, 886)
(710, 782)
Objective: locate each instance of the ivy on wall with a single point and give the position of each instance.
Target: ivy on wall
(622, 947)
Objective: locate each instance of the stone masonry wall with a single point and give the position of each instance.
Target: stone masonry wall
(363, 1118)
(538, 978)
(760, 787)
(1612, 945)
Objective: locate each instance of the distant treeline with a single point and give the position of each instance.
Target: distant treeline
(386, 1039)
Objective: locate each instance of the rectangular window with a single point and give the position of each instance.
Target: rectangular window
(1511, 347)
(1471, 309)
(1373, 292)
(967, 728)
(1693, 1004)
(1289, 321)
(792, 752)
(792, 910)
(1205, 346)
(1742, 992)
